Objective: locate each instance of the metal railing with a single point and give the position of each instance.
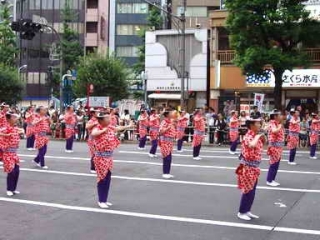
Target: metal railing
(227, 56)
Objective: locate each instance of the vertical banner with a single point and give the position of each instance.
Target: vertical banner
(258, 100)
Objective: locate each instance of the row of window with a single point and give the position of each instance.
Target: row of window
(138, 8)
(123, 29)
(127, 51)
(54, 4)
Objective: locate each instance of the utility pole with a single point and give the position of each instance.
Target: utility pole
(183, 52)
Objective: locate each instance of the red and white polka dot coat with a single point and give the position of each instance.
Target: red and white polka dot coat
(9, 146)
(247, 175)
(70, 121)
(90, 142)
(293, 136)
(106, 142)
(41, 130)
(199, 130)
(181, 126)
(154, 123)
(275, 152)
(167, 138)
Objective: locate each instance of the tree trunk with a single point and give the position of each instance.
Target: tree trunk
(277, 92)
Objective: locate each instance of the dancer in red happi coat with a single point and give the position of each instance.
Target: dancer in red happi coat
(293, 136)
(105, 142)
(181, 126)
(29, 117)
(314, 135)
(3, 122)
(42, 128)
(234, 132)
(154, 123)
(167, 137)
(199, 125)
(248, 171)
(276, 143)
(143, 129)
(93, 122)
(10, 139)
(70, 120)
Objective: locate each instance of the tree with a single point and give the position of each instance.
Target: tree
(270, 34)
(108, 74)
(8, 47)
(71, 47)
(11, 86)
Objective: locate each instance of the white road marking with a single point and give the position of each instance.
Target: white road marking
(174, 164)
(235, 157)
(163, 217)
(170, 181)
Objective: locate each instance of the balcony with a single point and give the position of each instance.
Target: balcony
(91, 40)
(92, 15)
(227, 56)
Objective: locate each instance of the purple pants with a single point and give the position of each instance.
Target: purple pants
(40, 157)
(69, 143)
(196, 151)
(92, 167)
(313, 149)
(167, 164)
(247, 200)
(233, 146)
(154, 145)
(273, 170)
(30, 141)
(103, 188)
(292, 154)
(179, 144)
(12, 179)
(142, 142)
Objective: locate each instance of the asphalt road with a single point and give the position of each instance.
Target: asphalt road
(201, 202)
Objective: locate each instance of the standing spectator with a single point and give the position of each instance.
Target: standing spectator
(210, 117)
(80, 125)
(255, 113)
(221, 126)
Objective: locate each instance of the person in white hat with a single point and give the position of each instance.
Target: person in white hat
(105, 142)
(293, 136)
(10, 135)
(314, 135)
(248, 171)
(276, 143)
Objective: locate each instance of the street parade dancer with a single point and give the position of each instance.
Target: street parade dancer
(71, 123)
(167, 134)
(276, 143)
(234, 132)
(10, 139)
(93, 122)
(143, 129)
(105, 142)
(181, 126)
(3, 122)
(248, 171)
(154, 123)
(42, 127)
(199, 125)
(29, 117)
(314, 135)
(293, 136)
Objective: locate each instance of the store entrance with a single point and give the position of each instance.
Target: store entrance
(308, 104)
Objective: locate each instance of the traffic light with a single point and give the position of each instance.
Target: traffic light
(26, 28)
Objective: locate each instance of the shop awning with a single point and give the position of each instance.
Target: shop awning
(165, 96)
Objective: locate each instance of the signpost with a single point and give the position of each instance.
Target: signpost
(99, 101)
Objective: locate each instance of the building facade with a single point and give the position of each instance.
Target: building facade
(127, 18)
(229, 85)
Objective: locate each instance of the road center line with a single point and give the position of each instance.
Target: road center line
(170, 181)
(173, 164)
(163, 217)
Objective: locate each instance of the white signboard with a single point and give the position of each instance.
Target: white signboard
(297, 78)
(99, 101)
(258, 100)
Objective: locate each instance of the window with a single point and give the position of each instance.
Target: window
(129, 29)
(137, 8)
(127, 51)
(194, 11)
(92, 27)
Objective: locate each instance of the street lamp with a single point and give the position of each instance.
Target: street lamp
(144, 78)
(61, 90)
(22, 67)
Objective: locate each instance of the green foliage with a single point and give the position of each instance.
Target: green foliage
(270, 32)
(108, 74)
(71, 47)
(11, 86)
(138, 95)
(155, 18)
(8, 48)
